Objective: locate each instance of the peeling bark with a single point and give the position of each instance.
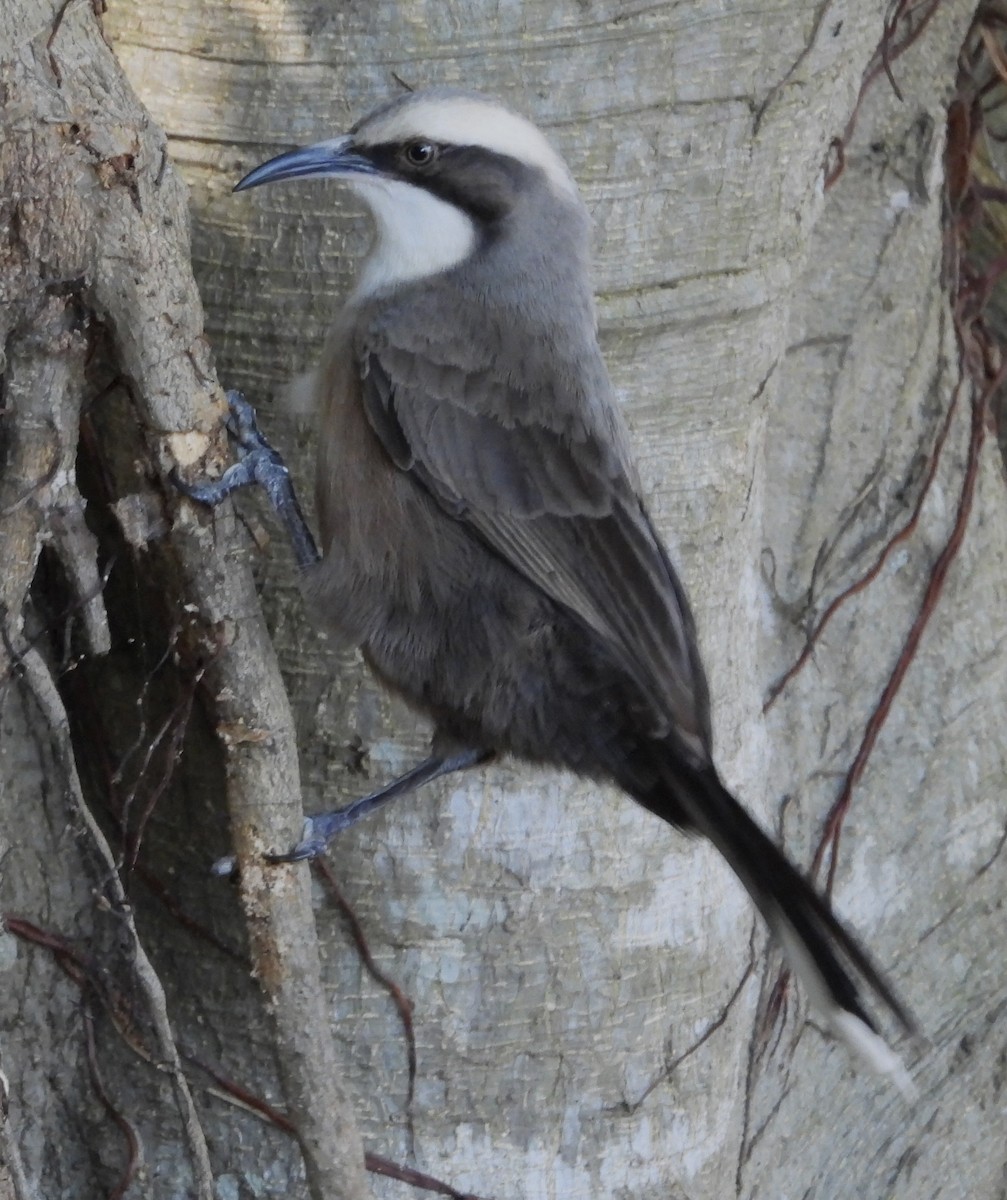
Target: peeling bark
(93, 213)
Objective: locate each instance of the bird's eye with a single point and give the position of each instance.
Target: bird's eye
(420, 154)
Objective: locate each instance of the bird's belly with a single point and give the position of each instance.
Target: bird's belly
(497, 664)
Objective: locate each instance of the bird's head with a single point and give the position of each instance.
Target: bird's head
(443, 173)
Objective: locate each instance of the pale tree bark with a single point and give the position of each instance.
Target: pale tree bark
(588, 990)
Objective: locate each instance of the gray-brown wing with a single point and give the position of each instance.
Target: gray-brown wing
(558, 504)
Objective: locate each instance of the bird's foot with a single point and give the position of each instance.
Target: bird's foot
(258, 463)
(256, 457)
(318, 831)
(315, 836)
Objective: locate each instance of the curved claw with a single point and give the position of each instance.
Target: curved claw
(243, 426)
(241, 415)
(311, 845)
(177, 482)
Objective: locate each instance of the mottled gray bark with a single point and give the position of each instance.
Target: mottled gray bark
(115, 679)
(586, 985)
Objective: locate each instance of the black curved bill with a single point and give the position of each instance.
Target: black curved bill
(334, 157)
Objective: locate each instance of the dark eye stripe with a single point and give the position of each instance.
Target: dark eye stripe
(482, 183)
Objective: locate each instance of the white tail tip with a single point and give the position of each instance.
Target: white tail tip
(872, 1050)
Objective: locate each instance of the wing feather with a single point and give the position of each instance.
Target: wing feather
(556, 501)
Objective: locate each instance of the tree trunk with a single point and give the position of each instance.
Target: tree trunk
(595, 1007)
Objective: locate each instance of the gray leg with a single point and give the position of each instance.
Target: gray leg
(257, 463)
(319, 830)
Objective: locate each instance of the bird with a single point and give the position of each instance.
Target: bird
(483, 539)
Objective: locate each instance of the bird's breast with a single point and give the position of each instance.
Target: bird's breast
(386, 545)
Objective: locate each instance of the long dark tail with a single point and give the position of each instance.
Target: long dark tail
(836, 971)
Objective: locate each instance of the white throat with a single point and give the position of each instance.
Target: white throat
(418, 235)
